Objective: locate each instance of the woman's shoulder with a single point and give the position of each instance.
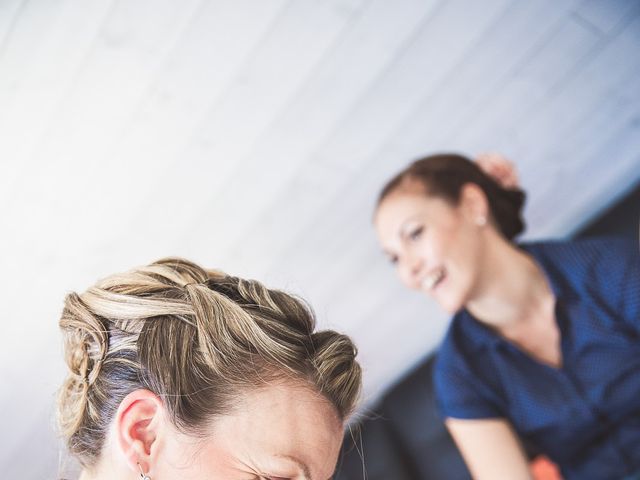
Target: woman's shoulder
(601, 271)
(585, 248)
(585, 261)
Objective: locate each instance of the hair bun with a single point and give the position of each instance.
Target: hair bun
(85, 345)
(199, 339)
(339, 373)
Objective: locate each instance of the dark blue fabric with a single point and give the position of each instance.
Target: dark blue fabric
(586, 415)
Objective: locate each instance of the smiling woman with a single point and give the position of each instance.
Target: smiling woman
(181, 372)
(544, 345)
(433, 210)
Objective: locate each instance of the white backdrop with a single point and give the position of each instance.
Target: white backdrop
(253, 136)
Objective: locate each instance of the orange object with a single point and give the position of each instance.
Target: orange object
(544, 469)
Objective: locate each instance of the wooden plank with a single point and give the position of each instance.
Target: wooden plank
(222, 39)
(374, 39)
(472, 86)
(444, 42)
(468, 84)
(555, 60)
(37, 67)
(216, 52)
(605, 15)
(572, 126)
(319, 27)
(315, 26)
(407, 73)
(132, 41)
(338, 229)
(303, 36)
(613, 165)
(9, 12)
(577, 111)
(20, 43)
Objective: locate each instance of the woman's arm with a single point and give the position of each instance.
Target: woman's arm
(490, 449)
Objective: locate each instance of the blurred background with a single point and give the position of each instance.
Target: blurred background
(254, 135)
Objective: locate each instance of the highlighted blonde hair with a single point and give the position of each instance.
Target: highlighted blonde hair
(197, 338)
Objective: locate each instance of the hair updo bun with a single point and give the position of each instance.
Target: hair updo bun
(198, 339)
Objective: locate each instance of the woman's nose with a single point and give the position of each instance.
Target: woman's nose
(413, 269)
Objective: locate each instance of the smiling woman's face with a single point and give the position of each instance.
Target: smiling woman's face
(278, 432)
(434, 245)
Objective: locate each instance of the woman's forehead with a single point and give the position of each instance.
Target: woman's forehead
(403, 205)
(282, 422)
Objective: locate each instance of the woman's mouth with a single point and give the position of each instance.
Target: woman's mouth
(431, 281)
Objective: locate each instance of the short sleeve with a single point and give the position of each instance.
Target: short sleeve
(460, 393)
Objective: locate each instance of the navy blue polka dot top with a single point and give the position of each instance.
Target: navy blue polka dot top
(585, 415)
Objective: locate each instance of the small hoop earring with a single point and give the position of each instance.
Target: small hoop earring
(143, 476)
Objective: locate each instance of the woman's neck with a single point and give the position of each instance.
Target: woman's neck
(512, 288)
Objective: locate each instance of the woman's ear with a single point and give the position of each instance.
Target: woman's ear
(475, 204)
(138, 423)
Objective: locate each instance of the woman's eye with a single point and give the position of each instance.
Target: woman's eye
(415, 233)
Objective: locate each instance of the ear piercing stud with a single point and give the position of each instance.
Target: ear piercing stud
(143, 476)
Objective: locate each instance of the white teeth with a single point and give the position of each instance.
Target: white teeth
(431, 280)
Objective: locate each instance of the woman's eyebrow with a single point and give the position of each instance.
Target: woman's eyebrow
(407, 223)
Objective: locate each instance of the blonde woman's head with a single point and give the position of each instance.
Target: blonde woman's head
(178, 370)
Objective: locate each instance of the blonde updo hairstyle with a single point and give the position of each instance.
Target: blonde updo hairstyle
(197, 338)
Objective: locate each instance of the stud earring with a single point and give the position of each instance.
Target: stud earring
(481, 221)
(143, 476)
